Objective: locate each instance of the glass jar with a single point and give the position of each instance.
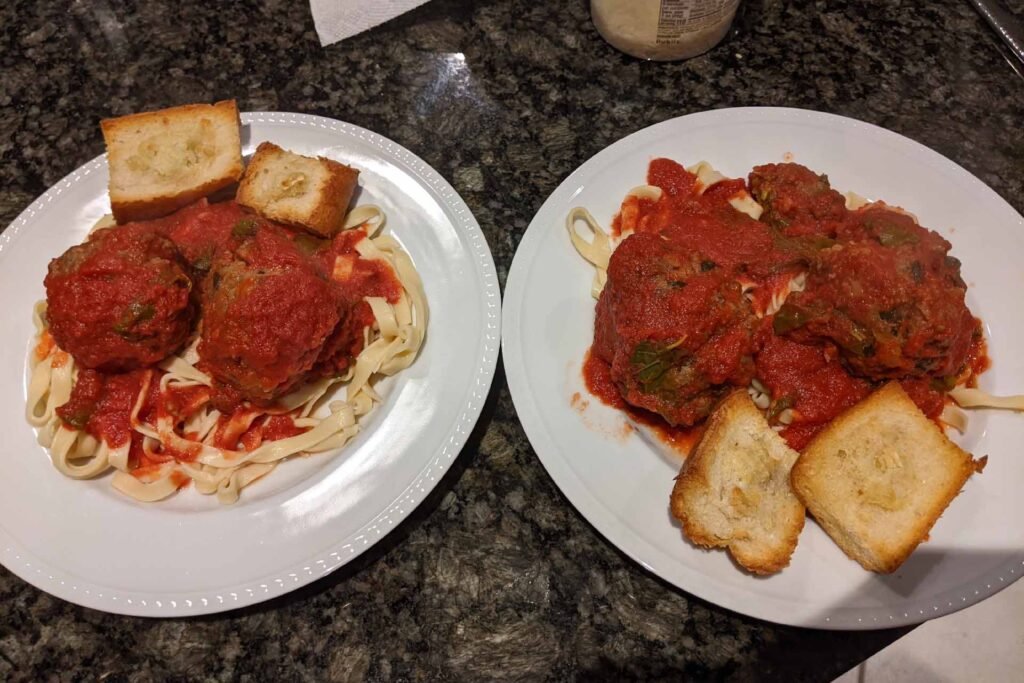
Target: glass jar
(663, 30)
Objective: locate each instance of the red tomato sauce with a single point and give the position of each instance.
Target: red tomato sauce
(923, 393)
(279, 427)
(689, 311)
(101, 404)
(598, 380)
(797, 201)
(978, 360)
(278, 306)
(180, 402)
(180, 480)
(358, 276)
(188, 454)
(597, 375)
(202, 231)
(628, 217)
(810, 381)
(231, 427)
(271, 428)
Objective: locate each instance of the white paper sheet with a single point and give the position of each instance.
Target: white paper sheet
(339, 19)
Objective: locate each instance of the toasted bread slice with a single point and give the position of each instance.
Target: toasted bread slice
(305, 192)
(879, 476)
(733, 491)
(162, 160)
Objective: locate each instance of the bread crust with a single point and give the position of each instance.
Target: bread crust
(156, 205)
(159, 206)
(184, 111)
(327, 215)
(879, 547)
(693, 491)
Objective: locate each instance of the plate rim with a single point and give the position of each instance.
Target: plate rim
(606, 523)
(64, 585)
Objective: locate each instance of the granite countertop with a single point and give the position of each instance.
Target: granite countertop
(495, 576)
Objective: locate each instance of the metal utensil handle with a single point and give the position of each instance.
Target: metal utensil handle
(1005, 24)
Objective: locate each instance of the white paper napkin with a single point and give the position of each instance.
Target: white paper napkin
(339, 19)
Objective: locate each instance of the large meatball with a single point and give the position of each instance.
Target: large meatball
(674, 326)
(357, 279)
(797, 200)
(894, 308)
(346, 341)
(121, 300)
(202, 231)
(267, 311)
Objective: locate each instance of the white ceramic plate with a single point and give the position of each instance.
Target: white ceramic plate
(84, 542)
(622, 485)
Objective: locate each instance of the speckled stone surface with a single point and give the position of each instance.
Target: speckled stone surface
(495, 576)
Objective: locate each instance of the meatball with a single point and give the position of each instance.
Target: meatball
(267, 311)
(675, 328)
(357, 278)
(201, 231)
(893, 311)
(120, 301)
(797, 200)
(892, 227)
(346, 341)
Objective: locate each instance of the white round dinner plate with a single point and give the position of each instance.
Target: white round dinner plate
(84, 542)
(621, 484)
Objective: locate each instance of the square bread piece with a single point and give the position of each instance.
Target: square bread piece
(305, 192)
(879, 476)
(733, 491)
(163, 160)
